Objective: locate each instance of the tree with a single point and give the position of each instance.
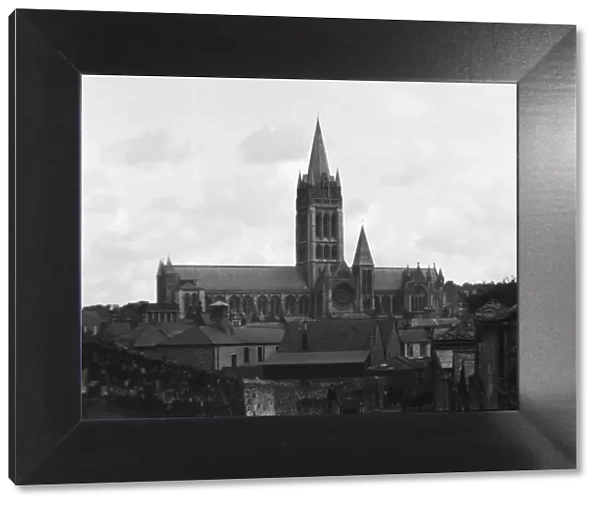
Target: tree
(476, 295)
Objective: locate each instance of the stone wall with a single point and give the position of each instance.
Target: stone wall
(296, 397)
(120, 382)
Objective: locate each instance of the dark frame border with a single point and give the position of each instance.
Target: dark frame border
(50, 50)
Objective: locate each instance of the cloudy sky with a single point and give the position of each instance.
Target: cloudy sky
(205, 170)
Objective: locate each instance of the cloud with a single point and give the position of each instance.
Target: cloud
(273, 144)
(149, 148)
(355, 207)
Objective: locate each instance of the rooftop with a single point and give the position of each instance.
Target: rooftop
(413, 336)
(237, 278)
(330, 335)
(337, 357)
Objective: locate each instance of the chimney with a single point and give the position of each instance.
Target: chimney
(219, 311)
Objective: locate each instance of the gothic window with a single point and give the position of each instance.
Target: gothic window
(275, 305)
(418, 300)
(319, 225)
(334, 252)
(290, 305)
(234, 304)
(263, 305)
(303, 305)
(334, 226)
(386, 304)
(319, 251)
(326, 225)
(326, 254)
(247, 304)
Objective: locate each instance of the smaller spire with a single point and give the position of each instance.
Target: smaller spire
(299, 180)
(169, 263)
(363, 256)
(161, 267)
(338, 179)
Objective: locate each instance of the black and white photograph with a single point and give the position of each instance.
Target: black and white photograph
(291, 247)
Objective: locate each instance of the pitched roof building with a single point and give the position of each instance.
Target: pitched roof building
(321, 282)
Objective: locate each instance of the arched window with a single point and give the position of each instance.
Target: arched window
(208, 301)
(326, 252)
(418, 300)
(187, 302)
(386, 304)
(290, 305)
(319, 251)
(219, 298)
(334, 225)
(326, 225)
(263, 305)
(303, 305)
(247, 305)
(234, 304)
(275, 305)
(194, 300)
(319, 225)
(334, 252)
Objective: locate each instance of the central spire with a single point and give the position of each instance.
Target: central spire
(318, 164)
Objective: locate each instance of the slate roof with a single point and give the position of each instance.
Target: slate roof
(413, 336)
(172, 328)
(387, 278)
(463, 330)
(337, 357)
(116, 329)
(212, 335)
(496, 313)
(363, 256)
(243, 277)
(387, 328)
(260, 335)
(433, 322)
(146, 336)
(330, 335)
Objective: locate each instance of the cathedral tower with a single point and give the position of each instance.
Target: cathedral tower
(319, 214)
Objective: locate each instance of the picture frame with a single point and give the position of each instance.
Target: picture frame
(51, 50)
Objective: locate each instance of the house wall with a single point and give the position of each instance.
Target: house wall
(199, 357)
(223, 354)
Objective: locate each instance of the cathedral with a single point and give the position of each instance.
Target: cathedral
(321, 283)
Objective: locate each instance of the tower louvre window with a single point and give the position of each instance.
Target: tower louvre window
(326, 225)
(319, 226)
(319, 251)
(334, 252)
(334, 226)
(326, 254)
